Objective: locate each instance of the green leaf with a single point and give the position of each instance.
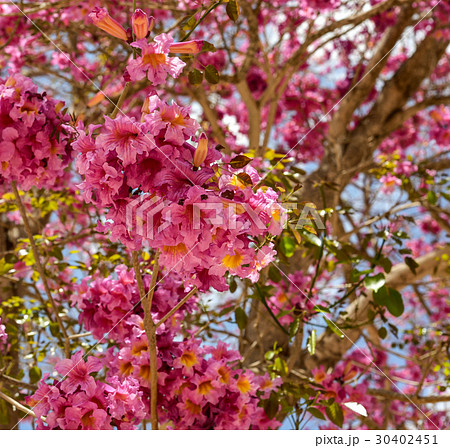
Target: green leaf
(412, 264)
(208, 47)
(375, 282)
(382, 332)
(405, 251)
(241, 318)
(316, 413)
(195, 77)
(233, 10)
(293, 328)
(233, 285)
(311, 344)
(431, 197)
(240, 161)
(54, 329)
(313, 239)
(333, 327)
(274, 274)
(335, 414)
(386, 264)
(271, 405)
(35, 374)
(287, 246)
(321, 309)
(188, 23)
(391, 299)
(395, 304)
(211, 74)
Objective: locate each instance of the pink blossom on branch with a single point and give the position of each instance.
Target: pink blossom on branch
(154, 61)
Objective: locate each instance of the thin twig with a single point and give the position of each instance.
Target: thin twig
(16, 404)
(150, 331)
(178, 306)
(122, 97)
(17, 382)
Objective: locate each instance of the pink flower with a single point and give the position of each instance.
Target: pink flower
(78, 372)
(3, 335)
(141, 24)
(125, 136)
(202, 150)
(171, 122)
(188, 47)
(154, 61)
(389, 182)
(105, 22)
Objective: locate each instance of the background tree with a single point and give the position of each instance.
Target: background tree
(340, 105)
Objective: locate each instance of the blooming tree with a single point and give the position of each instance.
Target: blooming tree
(224, 214)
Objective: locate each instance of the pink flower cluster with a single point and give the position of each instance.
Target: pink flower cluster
(81, 402)
(35, 137)
(199, 387)
(3, 334)
(153, 61)
(110, 305)
(210, 218)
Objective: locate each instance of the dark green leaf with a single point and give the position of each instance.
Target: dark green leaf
(195, 77)
(54, 328)
(386, 264)
(271, 405)
(233, 285)
(211, 74)
(35, 374)
(382, 332)
(241, 318)
(274, 274)
(316, 413)
(208, 46)
(391, 299)
(240, 161)
(233, 10)
(412, 264)
(395, 304)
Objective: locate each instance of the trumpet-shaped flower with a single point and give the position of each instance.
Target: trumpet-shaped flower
(154, 62)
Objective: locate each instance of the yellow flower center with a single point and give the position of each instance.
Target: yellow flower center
(205, 387)
(232, 261)
(188, 359)
(154, 59)
(243, 384)
(126, 368)
(224, 374)
(144, 373)
(192, 407)
(179, 249)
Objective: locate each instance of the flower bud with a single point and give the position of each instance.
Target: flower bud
(105, 22)
(189, 47)
(96, 99)
(140, 24)
(151, 23)
(202, 150)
